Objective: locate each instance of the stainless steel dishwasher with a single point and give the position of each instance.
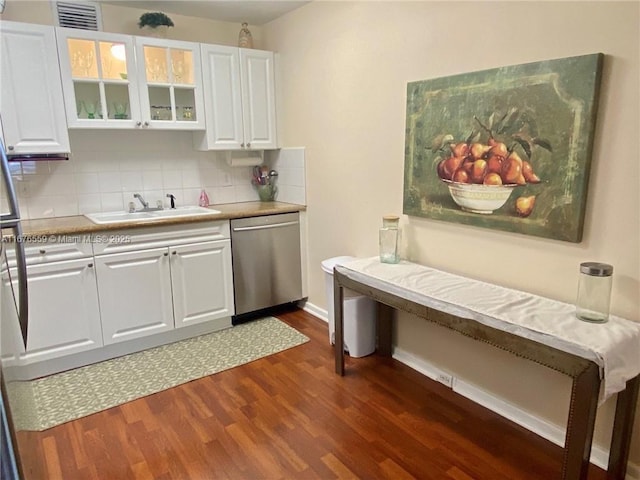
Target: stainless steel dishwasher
(266, 262)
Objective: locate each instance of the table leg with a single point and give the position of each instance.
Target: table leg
(385, 318)
(582, 417)
(338, 314)
(622, 428)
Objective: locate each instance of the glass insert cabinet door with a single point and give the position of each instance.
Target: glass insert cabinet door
(99, 79)
(123, 81)
(171, 77)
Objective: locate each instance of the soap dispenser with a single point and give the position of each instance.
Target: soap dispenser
(204, 199)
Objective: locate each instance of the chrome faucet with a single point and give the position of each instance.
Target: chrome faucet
(145, 205)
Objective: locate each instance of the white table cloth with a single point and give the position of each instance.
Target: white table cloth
(614, 346)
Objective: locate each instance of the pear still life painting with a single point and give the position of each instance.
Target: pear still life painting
(507, 148)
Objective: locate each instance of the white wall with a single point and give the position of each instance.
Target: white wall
(121, 19)
(345, 68)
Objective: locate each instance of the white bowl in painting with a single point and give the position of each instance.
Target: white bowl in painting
(479, 198)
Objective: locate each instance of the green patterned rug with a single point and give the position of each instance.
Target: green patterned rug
(46, 402)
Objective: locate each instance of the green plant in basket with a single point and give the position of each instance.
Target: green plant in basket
(154, 19)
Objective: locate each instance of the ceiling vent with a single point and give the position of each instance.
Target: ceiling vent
(85, 15)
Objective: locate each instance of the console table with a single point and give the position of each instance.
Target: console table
(532, 327)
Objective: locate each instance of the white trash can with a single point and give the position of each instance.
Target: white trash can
(359, 322)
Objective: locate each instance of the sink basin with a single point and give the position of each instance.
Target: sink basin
(103, 218)
(182, 212)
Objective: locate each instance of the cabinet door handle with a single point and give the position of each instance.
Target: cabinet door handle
(10, 147)
(242, 145)
(248, 145)
(42, 252)
(146, 124)
(174, 253)
(90, 265)
(138, 124)
(166, 254)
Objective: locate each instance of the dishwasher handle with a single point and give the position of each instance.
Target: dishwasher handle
(264, 227)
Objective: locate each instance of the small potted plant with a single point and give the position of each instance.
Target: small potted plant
(155, 23)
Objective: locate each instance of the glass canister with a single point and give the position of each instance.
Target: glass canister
(389, 237)
(594, 292)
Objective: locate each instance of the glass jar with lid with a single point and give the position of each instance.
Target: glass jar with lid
(389, 238)
(594, 292)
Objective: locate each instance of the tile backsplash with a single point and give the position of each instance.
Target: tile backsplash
(106, 168)
(290, 165)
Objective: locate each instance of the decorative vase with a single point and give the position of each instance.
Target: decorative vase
(267, 193)
(245, 39)
(389, 236)
(158, 32)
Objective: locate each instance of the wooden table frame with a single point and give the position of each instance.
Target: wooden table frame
(584, 373)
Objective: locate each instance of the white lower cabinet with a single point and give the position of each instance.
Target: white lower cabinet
(151, 285)
(164, 279)
(200, 275)
(64, 317)
(135, 294)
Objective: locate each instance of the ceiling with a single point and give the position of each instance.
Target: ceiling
(253, 12)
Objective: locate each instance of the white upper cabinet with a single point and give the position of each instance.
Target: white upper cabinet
(99, 79)
(239, 94)
(223, 101)
(170, 79)
(258, 98)
(32, 105)
(119, 81)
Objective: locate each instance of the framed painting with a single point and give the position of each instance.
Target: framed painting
(507, 148)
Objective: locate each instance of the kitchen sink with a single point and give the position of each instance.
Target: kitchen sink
(103, 218)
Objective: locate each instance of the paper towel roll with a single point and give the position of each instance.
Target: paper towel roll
(245, 159)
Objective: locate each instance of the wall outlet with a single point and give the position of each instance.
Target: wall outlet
(445, 379)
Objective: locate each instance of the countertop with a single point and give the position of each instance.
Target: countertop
(81, 224)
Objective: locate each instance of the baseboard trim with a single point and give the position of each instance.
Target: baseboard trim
(316, 311)
(547, 430)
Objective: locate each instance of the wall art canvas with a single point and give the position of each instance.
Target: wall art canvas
(507, 148)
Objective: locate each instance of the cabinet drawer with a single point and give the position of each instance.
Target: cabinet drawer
(51, 248)
(128, 240)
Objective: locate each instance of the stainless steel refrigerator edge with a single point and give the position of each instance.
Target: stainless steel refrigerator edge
(266, 261)
(10, 223)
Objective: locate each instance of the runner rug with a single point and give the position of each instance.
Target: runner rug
(46, 402)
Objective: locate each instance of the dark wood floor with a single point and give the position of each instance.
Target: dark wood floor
(290, 416)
